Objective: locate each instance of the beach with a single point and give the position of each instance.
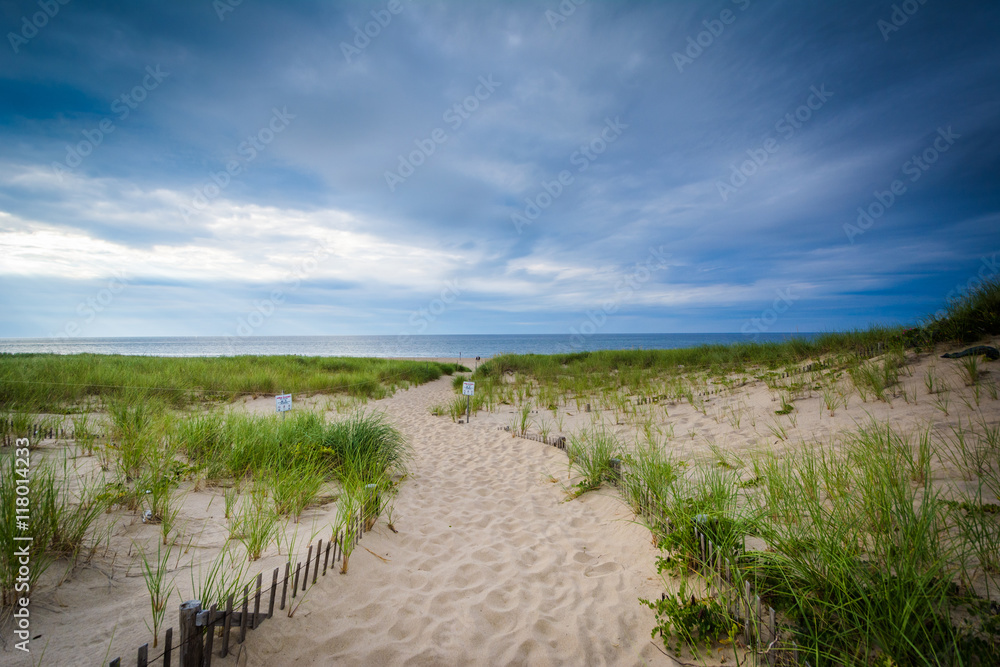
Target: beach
(496, 557)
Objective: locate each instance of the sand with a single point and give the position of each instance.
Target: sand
(491, 564)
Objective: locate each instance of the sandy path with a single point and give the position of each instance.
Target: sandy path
(490, 566)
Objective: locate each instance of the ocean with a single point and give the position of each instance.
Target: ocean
(466, 346)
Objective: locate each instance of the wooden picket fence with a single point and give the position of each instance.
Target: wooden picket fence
(35, 431)
(198, 626)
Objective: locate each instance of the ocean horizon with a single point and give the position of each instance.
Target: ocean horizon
(465, 346)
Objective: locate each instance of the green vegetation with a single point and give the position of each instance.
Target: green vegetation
(966, 318)
(866, 556)
(690, 621)
(154, 573)
(226, 575)
(283, 466)
(59, 519)
(55, 383)
(654, 373)
(593, 454)
(865, 561)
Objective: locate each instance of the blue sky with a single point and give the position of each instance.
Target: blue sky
(408, 167)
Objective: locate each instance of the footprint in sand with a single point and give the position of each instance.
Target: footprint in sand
(602, 570)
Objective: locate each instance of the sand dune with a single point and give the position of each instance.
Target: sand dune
(490, 565)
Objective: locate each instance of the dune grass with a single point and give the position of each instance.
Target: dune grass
(56, 383)
(284, 465)
(59, 520)
(865, 560)
(591, 455)
(966, 319)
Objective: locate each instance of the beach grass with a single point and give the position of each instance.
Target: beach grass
(859, 551)
(60, 519)
(58, 383)
(965, 319)
(592, 454)
(866, 555)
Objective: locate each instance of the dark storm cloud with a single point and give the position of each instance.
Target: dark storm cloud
(848, 153)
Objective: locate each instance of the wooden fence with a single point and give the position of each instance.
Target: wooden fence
(34, 431)
(199, 627)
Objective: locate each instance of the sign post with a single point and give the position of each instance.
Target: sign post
(283, 403)
(468, 389)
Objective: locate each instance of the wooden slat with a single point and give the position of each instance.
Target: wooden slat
(274, 591)
(190, 634)
(227, 625)
(319, 550)
(256, 603)
(284, 585)
(305, 578)
(210, 635)
(295, 581)
(326, 558)
(237, 618)
(246, 608)
(168, 645)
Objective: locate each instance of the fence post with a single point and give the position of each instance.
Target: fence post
(190, 635)
(246, 613)
(168, 645)
(274, 590)
(616, 471)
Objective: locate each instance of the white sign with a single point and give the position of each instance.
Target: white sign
(468, 388)
(283, 402)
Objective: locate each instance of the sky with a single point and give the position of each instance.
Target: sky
(406, 167)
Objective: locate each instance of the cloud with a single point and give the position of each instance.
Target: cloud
(148, 198)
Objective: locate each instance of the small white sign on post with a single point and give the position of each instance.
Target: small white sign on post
(468, 389)
(283, 402)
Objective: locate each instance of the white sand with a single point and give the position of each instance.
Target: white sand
(491, 565)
